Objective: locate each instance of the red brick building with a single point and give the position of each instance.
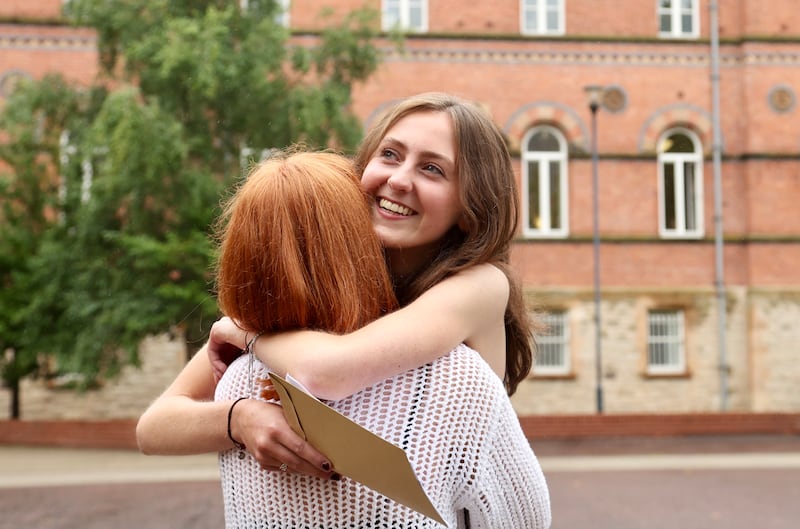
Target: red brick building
(527, 62)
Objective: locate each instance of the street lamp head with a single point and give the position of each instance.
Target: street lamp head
(594, 93)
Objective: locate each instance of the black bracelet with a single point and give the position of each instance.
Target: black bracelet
(239, 445)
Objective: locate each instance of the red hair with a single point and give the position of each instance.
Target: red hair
(298, 249)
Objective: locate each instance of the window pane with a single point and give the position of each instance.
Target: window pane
(415, 18)
(680, 143)
(391, 13)
(552, 15)
(690, 205)
(535, 211)
(530, 21)
(416, 14)
(543, 141)
(665, 23)
(555, 196)
(686, 24)
(552, 21)
(531, 10)
(669, 196)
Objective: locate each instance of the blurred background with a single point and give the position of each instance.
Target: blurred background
(656, 145)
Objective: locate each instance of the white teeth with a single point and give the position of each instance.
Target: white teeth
(395, 208)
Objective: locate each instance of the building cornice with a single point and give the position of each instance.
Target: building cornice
(48, 42)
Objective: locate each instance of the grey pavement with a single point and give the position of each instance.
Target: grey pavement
(22, 466)
(727, 482)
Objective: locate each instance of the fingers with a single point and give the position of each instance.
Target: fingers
(298, 456)
(272, 442)
(218, 368)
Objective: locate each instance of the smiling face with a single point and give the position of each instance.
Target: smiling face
(412, 176)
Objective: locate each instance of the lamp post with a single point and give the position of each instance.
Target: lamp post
(594, 93)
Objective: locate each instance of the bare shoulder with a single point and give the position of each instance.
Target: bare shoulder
(488, 289)
(479, 283)
(486, 272)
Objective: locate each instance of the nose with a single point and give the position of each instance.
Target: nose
(400, 179)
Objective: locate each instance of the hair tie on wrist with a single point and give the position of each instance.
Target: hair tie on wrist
(248, 350)
(249, 347)
(238, 445)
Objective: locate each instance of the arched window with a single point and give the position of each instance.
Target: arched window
(680, 184)
(544, 183)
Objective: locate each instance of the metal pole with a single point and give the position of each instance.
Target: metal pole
(718, 231)
(598, 356)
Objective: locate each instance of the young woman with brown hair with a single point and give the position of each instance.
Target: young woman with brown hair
(445, 205)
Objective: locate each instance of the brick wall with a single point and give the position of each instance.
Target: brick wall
(658, 425)
(120, 434)
(625, 17)
(29, 9)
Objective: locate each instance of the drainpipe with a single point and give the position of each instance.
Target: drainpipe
(719, 244)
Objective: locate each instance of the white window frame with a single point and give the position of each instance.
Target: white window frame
(676, 11)
(669, 346)
(552, 345)
(403, 15)
(544, 159)
(680, 162)
(544, 8)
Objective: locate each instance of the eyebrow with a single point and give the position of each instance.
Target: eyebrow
(425, 154)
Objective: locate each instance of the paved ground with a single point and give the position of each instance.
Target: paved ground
(691, 483)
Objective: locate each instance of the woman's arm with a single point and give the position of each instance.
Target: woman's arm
(186, 420)
(468, 307)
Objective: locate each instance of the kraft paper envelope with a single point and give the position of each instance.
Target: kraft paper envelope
(354, 451)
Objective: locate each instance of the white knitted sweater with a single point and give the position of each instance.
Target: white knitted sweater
(455, 422)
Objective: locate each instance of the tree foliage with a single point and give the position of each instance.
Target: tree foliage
(112, 188)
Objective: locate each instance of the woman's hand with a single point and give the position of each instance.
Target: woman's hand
(225, 344)
(262, 428)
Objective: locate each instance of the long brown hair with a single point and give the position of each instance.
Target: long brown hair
(298, 249)
(490, 203)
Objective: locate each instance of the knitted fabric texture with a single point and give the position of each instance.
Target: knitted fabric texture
(455, 422)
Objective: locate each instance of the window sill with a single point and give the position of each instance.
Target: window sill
(552, 376)
(681, 375)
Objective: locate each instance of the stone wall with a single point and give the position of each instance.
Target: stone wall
(126, 396)
(775, 350)
(761, 352)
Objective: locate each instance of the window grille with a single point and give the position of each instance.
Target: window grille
(553, 355)
(665, 342)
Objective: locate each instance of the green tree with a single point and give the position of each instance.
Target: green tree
(113, 188)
